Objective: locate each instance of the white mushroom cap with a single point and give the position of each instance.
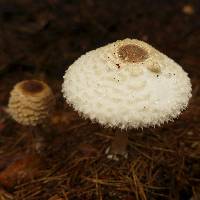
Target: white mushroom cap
(127, 84)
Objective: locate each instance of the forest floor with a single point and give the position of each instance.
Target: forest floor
(38, 41)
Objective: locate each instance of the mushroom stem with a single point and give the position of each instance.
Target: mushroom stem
(35, 140)
(118, 146)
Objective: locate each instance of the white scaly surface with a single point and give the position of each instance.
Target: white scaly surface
(116, 93)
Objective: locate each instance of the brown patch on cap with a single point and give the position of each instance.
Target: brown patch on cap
(132, 53)
(32, 86)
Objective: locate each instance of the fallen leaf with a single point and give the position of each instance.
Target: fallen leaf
(24, 168)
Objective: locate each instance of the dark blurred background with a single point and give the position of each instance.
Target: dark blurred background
(48, 35)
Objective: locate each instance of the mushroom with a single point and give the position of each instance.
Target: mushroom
(126, 84)
(30, 103)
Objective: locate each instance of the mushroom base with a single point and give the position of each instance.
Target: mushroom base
(118, 146)
(35, 140)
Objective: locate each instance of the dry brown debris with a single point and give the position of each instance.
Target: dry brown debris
(42, 38)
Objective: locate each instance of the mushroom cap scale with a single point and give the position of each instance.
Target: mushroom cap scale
(31, 102)
(127, 84)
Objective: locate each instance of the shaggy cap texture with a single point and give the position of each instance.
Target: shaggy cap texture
(30, 102)
(127, 84)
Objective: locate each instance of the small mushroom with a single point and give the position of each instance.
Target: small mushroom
(127, 84)
(30, 103)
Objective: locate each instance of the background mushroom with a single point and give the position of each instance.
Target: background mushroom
(127, 84)
(30, 103)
